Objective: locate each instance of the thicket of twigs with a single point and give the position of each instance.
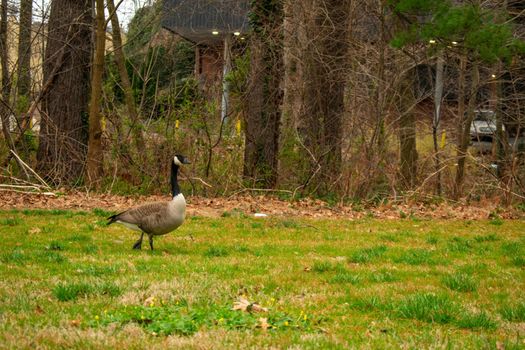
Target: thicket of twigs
(345, 100)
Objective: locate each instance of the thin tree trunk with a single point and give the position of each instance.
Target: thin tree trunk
(324, 80)
(291, 164)
(24, 49)
(63, 126)
(264, 97)
(501, 139)
(464, 135)
(379, 132)
(6, 83)
(407, 123)
(120, 60)
(407, 141)
(336, 48)
(94, 155)
(24, 62)
(461, 111)
(438, 96)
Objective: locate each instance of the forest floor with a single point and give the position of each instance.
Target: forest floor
(269, 205)
(307, 282)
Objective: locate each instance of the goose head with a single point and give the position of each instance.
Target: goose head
(180, 159)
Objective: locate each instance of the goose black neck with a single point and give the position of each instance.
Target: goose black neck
(175, 190)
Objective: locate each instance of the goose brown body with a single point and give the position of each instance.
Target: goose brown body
(155, 218)
(160, 218)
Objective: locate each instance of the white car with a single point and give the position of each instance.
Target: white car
(483, 127)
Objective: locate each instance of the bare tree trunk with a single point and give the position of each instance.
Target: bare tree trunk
(24, 49)
(407, 136)
(466, 120)
(120, 60)
(501, 139)
(316, 99)
(95, 155)
(264, 97)
(378, 138)
(24, 62)
(438, 96)
(6, 83)
(62, 149)
(503, 152)
(335, 49)
(292, 165)
(407, 122)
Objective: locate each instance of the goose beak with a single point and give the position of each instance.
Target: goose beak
(186, 161)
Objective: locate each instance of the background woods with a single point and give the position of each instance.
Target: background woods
(346, 100)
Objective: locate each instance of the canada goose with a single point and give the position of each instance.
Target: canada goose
(159, 218)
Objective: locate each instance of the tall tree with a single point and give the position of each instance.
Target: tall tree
(315, 87)
(407, 121)
(63, 136)
(332, 61)
(6, 82)
(95, 155)
(24, 60)
(24, 49)
(407, 131)
(438, 99)
(264, 97)
(120, 60)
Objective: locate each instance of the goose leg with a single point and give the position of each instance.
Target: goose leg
(138, 244)
(151, 242)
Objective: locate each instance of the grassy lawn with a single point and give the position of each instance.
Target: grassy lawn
(68, 281)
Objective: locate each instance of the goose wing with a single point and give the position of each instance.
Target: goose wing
(144, 216)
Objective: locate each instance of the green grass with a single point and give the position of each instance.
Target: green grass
(514, 312)
(366, 255)
(428, 307)
(346, 277)
(460, 282)
(478, 320)
(71, 291)
(416, 256)
(70, 281)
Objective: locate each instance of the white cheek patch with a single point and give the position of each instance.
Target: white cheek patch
(177, 161)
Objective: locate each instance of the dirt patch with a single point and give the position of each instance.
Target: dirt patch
(249, 205)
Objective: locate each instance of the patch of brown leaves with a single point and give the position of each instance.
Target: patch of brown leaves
(249, 205)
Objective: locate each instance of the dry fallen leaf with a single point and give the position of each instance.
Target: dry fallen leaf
(74, 323)
(149, 301)
(244, 305)
(39, 310)
(263, 323)
(34, 230)
(265, 204)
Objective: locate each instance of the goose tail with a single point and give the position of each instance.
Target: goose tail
(112, 219)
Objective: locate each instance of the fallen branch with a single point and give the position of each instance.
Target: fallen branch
(37, 188)
(27, 192)
(31, 170)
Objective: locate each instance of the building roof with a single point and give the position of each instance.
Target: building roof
(206, 21)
